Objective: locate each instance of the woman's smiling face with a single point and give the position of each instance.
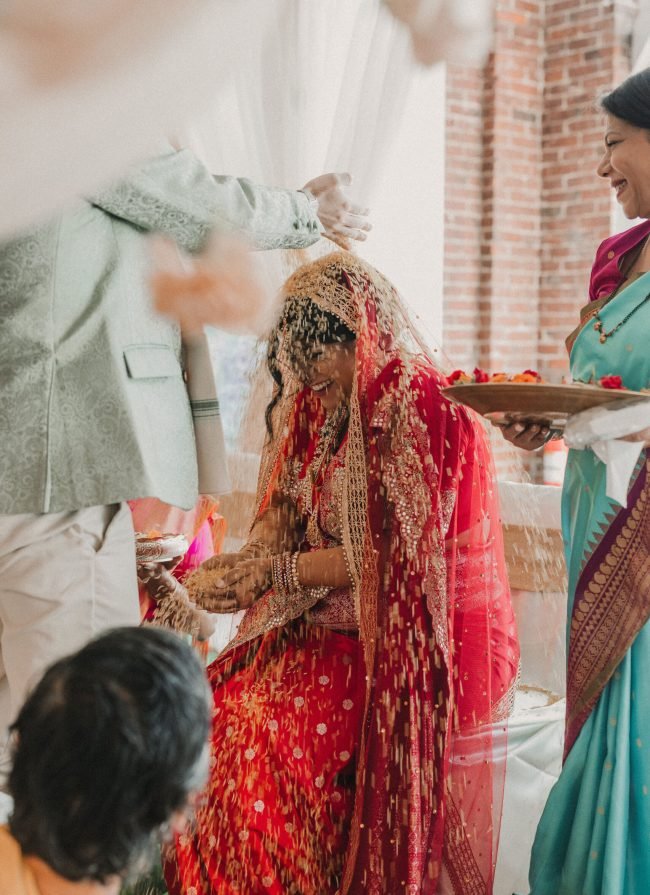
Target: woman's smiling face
(328, 369)
(626, 163)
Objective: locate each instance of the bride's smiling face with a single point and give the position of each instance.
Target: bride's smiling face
(328, 370)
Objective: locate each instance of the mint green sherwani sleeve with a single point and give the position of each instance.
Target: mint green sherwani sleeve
(93, 406)
(175, 194)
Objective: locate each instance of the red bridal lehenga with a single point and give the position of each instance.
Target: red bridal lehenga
(358, 741)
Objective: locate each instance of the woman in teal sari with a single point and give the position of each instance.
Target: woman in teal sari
(594, 835)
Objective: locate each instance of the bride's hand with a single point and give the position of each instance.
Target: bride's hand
(223, 561)
(241, 586)
(157, 578)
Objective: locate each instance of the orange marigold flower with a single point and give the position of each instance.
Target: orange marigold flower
(524, 377)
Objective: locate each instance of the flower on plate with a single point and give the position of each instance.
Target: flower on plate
(527, 376)
(499, 377)
(459, 376)
(480, 375)
(611, 382)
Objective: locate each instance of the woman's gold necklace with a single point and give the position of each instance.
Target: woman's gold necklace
(598, 324)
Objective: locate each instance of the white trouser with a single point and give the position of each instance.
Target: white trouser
(64, 577)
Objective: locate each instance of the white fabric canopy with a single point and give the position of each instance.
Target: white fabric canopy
(87, 86)
(319, 89)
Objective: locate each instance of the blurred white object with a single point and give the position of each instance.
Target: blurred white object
(536, 728)
(6, 807)
(554, 457)
(620, 458)
(601, 428)
(88, 87)
(535, 741)
(458, 30)
(222, 286)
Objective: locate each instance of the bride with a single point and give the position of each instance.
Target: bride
(357, 710)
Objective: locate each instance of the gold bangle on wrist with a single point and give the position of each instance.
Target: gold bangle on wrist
(284, 574)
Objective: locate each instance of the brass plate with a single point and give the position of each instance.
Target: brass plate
(539, 402)
(159, 549)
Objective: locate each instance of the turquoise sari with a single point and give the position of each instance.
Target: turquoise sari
(594, 835)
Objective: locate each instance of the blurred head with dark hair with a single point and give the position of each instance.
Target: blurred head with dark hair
(626, 161)
(108, 747)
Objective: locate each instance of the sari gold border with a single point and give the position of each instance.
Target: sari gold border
(505, 706)
(612, 604)
(459, 860)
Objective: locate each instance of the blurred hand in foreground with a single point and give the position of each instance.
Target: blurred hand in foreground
(220, 287)
(456, 30)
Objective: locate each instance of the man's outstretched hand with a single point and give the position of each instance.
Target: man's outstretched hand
(342, 219)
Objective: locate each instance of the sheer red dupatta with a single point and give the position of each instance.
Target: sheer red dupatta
(485, 667)
(422, 537)
(445, 656)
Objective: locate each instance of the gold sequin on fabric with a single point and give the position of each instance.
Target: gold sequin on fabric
(610, 611)
(336, 609)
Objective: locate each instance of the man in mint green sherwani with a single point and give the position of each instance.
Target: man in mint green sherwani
(93, 405)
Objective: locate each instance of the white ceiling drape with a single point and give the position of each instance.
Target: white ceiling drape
(320, 89)
(323, 88)
(88, 86)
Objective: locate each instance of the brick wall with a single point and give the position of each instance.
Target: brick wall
(463, 215)
(512, 187)
(524, 210)
(584, 58)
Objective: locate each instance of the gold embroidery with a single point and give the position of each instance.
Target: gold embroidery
(505, 706)
(459, 859)
(270, 612)
(609, 613)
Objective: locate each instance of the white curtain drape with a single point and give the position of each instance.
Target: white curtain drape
(319, 89)
(87, 86)
(334, 87)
